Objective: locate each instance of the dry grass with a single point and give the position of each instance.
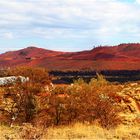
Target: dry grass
(8, 133)
(77, 131)
(80, 131)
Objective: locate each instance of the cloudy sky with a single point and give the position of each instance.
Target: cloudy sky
(68, 25)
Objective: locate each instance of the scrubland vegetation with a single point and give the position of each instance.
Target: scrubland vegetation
(37, 109)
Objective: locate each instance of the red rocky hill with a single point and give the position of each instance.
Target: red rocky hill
(121, 57)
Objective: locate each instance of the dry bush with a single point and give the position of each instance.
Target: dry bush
(81, 102)
(35, 74)
(59, 90)
(51, 111)
(106, 113)
(19, 101)
(98, 81)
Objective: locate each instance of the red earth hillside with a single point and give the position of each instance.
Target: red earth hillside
(121, 57)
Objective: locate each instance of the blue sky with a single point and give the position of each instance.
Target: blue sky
(68, 25)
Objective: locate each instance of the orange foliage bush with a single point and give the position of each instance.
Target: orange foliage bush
(19, 98)
(35, 74)
(81, 102)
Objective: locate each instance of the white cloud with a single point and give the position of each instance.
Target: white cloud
(138, 1)
(69, 18)
(8, 35)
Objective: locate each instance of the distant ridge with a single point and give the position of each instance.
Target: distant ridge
(120, 57)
